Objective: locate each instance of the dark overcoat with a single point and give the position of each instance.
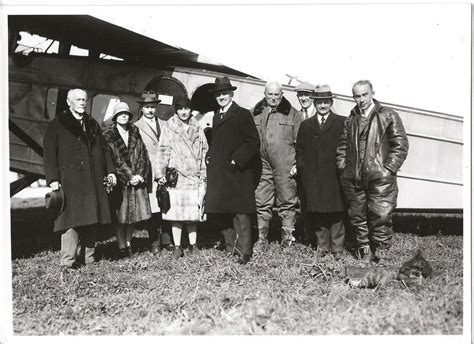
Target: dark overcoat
(231, 189)
(79, 160)
(129, 161)
(316, 163)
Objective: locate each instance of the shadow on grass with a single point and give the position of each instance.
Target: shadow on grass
(32, 232)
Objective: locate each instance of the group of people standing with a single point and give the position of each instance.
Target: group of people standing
(254, 159)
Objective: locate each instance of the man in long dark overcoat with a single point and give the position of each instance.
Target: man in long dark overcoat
(316, 146)
(232, 160)
(76, 159)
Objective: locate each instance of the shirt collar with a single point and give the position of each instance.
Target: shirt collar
(368, 111)
(226, 108)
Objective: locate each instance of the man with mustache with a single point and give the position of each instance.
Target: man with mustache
(315, 160)
(277, 123)
(371, 150)
(76, 160)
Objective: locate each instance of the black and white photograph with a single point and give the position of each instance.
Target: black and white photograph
(236, 171)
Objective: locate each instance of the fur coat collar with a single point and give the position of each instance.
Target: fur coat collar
(284, 107)
(189, 134)
(67, 119)
(112, 135)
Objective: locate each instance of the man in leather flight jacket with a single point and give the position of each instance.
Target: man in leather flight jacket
(371, 150)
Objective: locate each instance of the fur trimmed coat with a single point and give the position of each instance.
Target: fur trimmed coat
(129, 161)
(79, 160)
(184, 148)
(278, 131)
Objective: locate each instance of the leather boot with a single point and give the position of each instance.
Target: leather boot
(287, 237)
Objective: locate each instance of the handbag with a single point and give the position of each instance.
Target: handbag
(162, 193)
(163, 197)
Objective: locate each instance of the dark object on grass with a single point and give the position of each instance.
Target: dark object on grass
(54, 201)
(413, 270)
(374, 277)
(162, 194)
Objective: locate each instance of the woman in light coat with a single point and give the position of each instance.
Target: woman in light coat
(133, 171)
(183, 146)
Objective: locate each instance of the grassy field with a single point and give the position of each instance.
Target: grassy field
(211, 294)
(276, 293)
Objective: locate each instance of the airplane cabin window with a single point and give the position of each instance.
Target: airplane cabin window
(102, 107)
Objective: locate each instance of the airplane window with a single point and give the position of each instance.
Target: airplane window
(165, 100)
(102, 106)
(76, 51)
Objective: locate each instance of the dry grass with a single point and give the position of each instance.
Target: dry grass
(274, 294)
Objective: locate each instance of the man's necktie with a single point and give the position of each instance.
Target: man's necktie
(305, 113)
(323, 118)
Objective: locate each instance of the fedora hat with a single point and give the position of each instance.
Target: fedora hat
(180, 102)
(120, 108)
(54, 202)
(305, 87)
(222, 84)
(149, 97)
(322, 92)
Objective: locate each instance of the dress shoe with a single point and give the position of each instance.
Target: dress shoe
(178, 252)
(168, 247)
(155, 250)
(193, 250)
(123, 253)
(70, 268)
(321, 253)
(243, 259)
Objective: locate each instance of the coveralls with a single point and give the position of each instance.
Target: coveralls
(277, 129)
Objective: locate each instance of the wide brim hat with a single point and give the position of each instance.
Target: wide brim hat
(322, 92)
(181, 101)
(119, 108)
(149, 97)
(222, 84)
(305, 87)
(54, 202)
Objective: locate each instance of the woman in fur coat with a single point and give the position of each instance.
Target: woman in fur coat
(133, 170)
(183, 146)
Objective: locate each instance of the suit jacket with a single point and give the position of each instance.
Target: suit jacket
(231, 189)
(316, 163)
(151, 139)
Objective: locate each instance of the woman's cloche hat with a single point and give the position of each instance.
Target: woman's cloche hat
(119, 108)
(181, 102)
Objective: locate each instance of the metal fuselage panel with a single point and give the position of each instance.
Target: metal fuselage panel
(431, 177)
